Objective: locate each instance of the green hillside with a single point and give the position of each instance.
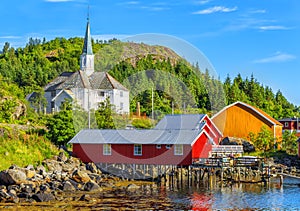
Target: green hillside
(177, 85)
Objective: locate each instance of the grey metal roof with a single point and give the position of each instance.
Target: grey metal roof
(181, 121)
(288, 119)
(92, 136)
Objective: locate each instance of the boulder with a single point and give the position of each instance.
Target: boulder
(91, 186)
(12, 176)
(62, 157)
(67, 186)
(52, 165)
(85, 197)
(132, 187)
(80, 176)
(43, 197)
(92, 168)
(29, 173)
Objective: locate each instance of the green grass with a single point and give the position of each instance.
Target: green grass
(20, 148)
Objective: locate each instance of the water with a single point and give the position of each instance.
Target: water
(238, 197)
(203, 197)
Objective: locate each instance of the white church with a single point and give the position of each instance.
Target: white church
(86, 87)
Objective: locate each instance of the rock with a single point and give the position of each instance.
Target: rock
(85, 197)
(12, 176)
(92, 168)
(67, 167)
(44, 188)
(67, 186)
(132, 187)
(75, 184)
(30, 167)
(74, 161)
(27, 188)
(4, 194)
(91, 186)
(29, 173)
(52, 165)
(43, 197)
(62, 157)
(80, 176)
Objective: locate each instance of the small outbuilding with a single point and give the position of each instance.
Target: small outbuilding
(239, 119)
(176, 140)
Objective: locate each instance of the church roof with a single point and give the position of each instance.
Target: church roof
(79, 79)
(87, 46)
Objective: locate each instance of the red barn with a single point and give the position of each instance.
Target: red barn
(176, 140)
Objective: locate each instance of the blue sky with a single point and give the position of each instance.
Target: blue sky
(237, 36)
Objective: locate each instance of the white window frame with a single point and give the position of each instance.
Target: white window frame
(106, 149)
(178, 149)
(168, 146)
(137, 150)
(286, 124)
(158, 146)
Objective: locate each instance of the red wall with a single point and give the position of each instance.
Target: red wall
(202, 147)
(123, 153)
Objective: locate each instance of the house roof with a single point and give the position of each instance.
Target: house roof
(181, 122)
(189, 128)
(258, 111)
(289, 119)
(88, 136)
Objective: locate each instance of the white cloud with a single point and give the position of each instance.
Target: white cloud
(58, 0)
(203, 2)
(277, 57)
(10, 37)
(273, 27)
(215, 9)
(258, 11)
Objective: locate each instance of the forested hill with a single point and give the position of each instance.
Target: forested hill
(176, 82)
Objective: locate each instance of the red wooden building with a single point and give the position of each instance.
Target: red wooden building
(176, 140)
(290, 124)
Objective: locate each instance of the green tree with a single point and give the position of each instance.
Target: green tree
(289, 142)
(264, 140)
(104, 115)
(60, 125)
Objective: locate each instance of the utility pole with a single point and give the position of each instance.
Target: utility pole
(152, 103)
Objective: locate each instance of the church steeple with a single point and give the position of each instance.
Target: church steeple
(87, 56)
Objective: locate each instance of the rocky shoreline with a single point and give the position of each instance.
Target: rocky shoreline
(58, 179)
(62, 179)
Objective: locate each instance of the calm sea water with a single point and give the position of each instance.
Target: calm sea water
(238, 197)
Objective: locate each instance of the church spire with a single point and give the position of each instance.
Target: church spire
(87, 56)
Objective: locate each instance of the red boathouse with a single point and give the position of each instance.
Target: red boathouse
(176, 140)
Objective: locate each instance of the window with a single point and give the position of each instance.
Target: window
(53, 93)
(158, 146)
(101, 93)
(168, 146)
(137, 149)
(121, 93)
(286, 124)
(106, 149)
(121, 106)
(52, 104)
(178, 149)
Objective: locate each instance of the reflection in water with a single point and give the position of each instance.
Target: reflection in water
(201, 197)
(237, 197)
